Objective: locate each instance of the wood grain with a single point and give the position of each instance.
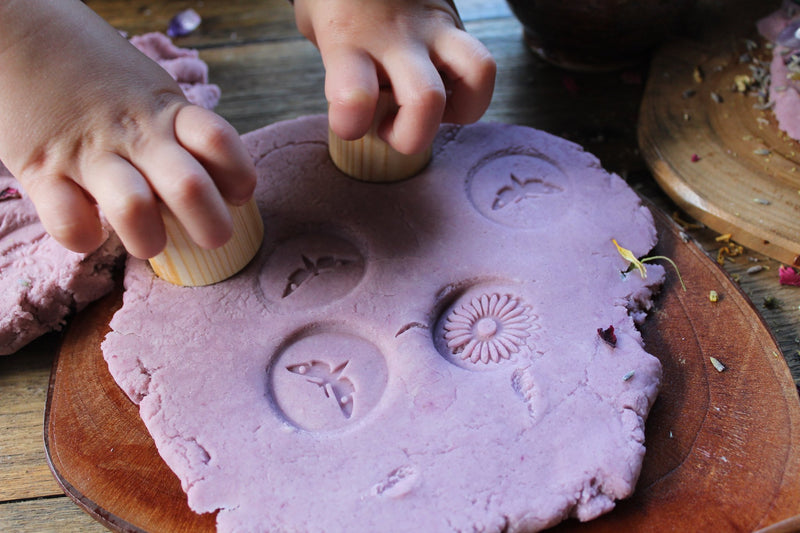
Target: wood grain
(59, 515)
(705, 150)
(23, 388)
(738, 429)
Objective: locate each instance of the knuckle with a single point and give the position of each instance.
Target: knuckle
(188, 188)
(129, 209)
(217, 134)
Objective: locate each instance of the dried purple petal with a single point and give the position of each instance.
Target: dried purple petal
(608, 335)
(10, 193)
(184, 23)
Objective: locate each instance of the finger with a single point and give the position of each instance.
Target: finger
(67, 213)
(351, 88)
(469, 71)
(128, 203)
(219, 149)
(420, 96)
(182, 183)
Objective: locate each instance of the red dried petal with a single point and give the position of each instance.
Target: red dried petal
(788, 276)
(608, 335)
(695, 158)
(10, 193)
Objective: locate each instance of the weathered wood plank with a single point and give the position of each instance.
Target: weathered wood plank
(47, 515)
(24, 377)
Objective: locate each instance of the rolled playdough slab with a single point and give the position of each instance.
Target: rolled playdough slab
(435, 354)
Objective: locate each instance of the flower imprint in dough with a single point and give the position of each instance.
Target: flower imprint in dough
(488, 328)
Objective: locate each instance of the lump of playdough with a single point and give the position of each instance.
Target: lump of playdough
(42, 283)
(784, 87)
(415, 356)
(183, 64)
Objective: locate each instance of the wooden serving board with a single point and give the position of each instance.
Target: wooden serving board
(723, 448)
(709, 155)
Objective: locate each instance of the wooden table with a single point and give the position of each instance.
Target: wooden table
(267, 73)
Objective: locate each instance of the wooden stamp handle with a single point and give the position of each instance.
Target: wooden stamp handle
(182, 262)
(370, 158)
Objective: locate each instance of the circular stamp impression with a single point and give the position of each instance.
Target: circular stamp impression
(485, 327)
(327, 380)
(508, 188)
(310, 270)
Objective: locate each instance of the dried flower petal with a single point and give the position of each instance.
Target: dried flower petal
(627, 254)
(742, 82)
(788, 276)
(184, 23)
(628, 375)
(695, 158)
(713, 296)
(10, 193)
(608, 335)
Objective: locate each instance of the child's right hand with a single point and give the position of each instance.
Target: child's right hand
(86, 120)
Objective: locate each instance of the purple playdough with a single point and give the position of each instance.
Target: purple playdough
(415, 356)
(782, 28)
(41, 282)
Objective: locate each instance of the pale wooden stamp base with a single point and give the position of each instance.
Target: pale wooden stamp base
(370, 158)
(182, 262)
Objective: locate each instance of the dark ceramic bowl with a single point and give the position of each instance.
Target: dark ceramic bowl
(597, 34)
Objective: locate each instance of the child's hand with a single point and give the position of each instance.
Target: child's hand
(87, 119)
(437, 71)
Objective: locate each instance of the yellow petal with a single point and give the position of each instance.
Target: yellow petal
(627, 254)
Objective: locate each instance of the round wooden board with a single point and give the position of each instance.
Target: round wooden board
(723, 448)
(707, 154)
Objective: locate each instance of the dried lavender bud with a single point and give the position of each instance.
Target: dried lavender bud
(184, 23)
